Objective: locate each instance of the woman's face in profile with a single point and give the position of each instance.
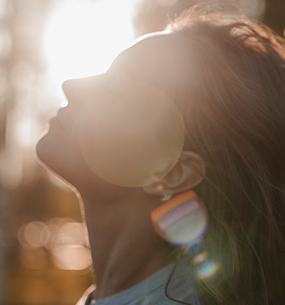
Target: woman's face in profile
(120, 127)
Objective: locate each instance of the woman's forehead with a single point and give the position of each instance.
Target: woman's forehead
(156, 48)
(145, 47)
(158, 59)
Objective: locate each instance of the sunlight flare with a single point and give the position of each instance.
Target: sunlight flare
(83, 37)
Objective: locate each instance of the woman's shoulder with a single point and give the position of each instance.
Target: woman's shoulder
(152, 290)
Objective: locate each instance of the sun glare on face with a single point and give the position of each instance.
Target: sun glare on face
(83, 37)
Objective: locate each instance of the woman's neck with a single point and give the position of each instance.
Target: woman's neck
(124, 247)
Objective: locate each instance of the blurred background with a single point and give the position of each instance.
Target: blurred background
(43, 256)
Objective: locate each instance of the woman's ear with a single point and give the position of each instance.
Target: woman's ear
(182, 177)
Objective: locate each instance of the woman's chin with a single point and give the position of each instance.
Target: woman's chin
(42, 149)
(54, 157)
(39, 147)
(48, 155)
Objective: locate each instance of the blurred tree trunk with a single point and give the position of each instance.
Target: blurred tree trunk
(21, 25)
(4, 213)
(5, 36)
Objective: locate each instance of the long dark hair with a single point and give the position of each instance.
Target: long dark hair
(234, 113)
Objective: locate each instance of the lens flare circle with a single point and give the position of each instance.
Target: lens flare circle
(131, 138)
(160, 187)
(208, 270)
(181, 221)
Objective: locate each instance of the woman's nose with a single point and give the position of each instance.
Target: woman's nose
(71, 89)
(81, 89)
(77, 90)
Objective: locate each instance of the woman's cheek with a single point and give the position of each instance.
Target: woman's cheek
(131, 140)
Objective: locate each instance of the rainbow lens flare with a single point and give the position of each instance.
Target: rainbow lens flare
(181, 221)
(207, 270)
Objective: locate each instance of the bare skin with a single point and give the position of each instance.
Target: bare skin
(125, 248)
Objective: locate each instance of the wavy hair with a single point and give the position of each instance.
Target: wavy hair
(234, 113)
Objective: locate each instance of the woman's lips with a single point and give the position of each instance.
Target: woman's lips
(56, 121)
(59, 118)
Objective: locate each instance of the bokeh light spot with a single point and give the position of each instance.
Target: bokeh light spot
(71, 257)
(61, 237)
(33, 234)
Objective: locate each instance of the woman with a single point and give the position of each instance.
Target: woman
(224, 78)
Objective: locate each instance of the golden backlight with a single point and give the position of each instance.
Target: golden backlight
(83, 37)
